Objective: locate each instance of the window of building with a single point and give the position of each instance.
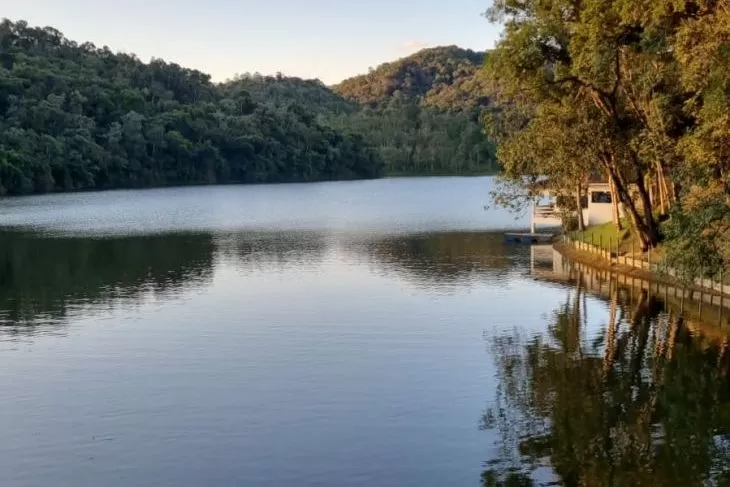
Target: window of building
(600, 197)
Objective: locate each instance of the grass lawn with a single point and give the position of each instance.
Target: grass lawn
(606, 236)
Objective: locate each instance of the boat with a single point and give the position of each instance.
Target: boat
(528, 237)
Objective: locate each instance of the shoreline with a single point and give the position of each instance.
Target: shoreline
(599, 262)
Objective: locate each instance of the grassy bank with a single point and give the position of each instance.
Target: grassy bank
(625, 242)
(607, 236)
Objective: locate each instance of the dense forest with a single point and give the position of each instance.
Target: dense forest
(448, 78)
(74, 116)
(637, 93)
(425, 113)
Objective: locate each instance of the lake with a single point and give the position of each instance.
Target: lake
(375, 333)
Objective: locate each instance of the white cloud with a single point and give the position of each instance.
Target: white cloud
(413, 45)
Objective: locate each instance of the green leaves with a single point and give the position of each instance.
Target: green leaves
(643, 88)
(85, 118)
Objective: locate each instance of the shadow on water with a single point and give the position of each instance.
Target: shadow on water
(443, 259)
(635, 396)
(42, 278)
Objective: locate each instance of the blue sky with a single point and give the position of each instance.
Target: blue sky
(324, 39)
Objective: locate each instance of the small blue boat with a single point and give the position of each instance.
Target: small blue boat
(528, 238)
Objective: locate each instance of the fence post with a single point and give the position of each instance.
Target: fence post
(633, 253)
(648, 257)
(600, 242)
(722, 296)
(702, 286)
(610, 252)
(608, 249)
(722, 290)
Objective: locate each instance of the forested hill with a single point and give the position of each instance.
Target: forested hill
(424, 112)
(284, 91)
(74, 116)
(448, 78)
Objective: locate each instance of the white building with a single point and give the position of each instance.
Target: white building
(598, 208)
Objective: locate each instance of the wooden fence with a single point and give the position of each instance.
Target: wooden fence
(609, 251)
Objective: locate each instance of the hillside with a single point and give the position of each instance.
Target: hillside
(283, 91)
(447, 78)
(76, 117)
(424, 112)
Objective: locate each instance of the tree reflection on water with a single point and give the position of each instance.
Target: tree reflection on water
(643, 402)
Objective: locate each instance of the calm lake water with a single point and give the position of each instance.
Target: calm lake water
(373, 333)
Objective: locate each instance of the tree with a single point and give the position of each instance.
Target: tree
(600, 59)
(699, 230)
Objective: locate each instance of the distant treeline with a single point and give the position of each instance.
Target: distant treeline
(425, 113)
(75, 116)
(409, 132)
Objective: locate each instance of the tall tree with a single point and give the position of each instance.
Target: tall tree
(598, 58)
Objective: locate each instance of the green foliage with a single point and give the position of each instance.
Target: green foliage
(433, 129)
(700, 238)
(424, 141)
(424, 113)
(699, 231)
(635, 92)
(76, 117)
(441, 77)
(285, 91)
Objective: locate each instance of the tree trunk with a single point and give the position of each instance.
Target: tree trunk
(616, 216)
(665, 189)
(650, 188)
(644, 225)
(649, 221)
(579, 212)
(662, 195)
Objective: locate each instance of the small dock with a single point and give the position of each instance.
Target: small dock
(546, 215)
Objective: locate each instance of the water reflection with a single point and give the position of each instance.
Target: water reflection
(272, 251)
(444, 259)
(43, 277)
(644, 400)
(617, 388)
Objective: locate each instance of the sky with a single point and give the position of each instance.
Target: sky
(326, 39)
